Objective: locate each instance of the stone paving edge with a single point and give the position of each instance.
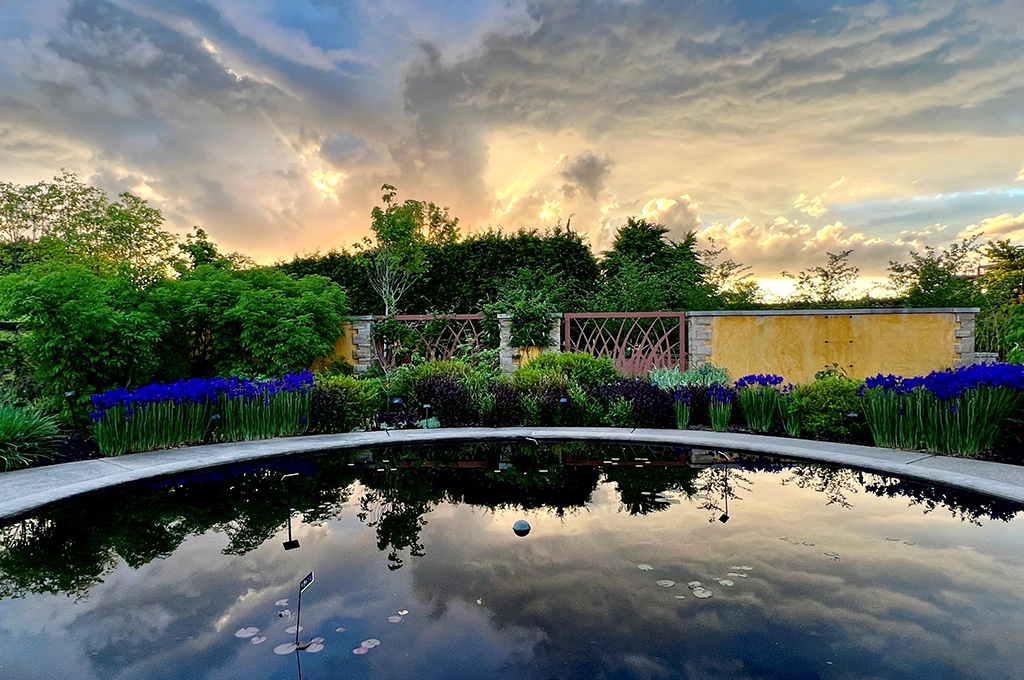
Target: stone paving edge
(24, 491)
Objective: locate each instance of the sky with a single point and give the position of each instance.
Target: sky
(779, 130)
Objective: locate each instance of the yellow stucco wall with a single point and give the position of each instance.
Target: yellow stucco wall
(344, 349)
(797, 346)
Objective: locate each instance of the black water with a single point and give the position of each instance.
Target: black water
(846, 574)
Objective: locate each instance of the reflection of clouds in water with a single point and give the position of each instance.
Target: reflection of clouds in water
(570, 593)
(882, 598)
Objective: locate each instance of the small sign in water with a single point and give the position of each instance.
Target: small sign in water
(305, 583)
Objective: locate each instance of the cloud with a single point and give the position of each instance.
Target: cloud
(1020, 175)
(586, 174)
(679, 216)
(999, 227)
(815, 207)
(234, 114)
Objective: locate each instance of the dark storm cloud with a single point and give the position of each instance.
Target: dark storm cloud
(586, 174)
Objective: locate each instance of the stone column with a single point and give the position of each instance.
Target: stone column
(965, 355)
(698, 340)
(363, 352)
(505, 358)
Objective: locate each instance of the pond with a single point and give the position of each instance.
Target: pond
(637, 562)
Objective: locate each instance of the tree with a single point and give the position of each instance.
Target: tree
(72, 223)
(401, 229)
(826, 286)
(645, 271)
(936, 278)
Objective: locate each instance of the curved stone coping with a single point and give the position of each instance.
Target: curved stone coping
(23, 491)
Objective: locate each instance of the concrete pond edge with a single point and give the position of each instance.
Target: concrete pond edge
(24, 491)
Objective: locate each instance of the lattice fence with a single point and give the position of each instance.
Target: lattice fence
(637, 341)
(437, 337)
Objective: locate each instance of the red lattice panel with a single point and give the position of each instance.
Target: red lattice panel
(438, 337)
(637, 341)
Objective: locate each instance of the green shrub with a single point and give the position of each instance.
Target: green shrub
(830, 409)
(582, 368)
(618, 414)
(343, 402)
(704, 375)
(26, 436)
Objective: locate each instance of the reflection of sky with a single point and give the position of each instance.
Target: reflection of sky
(943, 601)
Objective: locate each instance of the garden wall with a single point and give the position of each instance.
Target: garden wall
(798, 343)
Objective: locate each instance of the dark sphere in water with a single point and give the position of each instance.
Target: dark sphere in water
(521, 528)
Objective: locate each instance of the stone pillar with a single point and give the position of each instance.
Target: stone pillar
(363, 352)
(505, 358)
(508, 354)
(698, 340)
(965, 355)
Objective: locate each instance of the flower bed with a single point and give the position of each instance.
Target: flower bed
(193, 411)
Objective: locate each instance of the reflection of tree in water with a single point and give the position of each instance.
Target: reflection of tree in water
(639, 487)
(835, 483)
(716, 484)
(965, 506)
(397, 499)
(71, 548)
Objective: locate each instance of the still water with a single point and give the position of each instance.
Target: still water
(639, 563)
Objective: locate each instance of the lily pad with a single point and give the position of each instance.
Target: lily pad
(891, 538)
(403, 612)
(702, 593)
(315, 647)
(680, 597)
(645, 567)
(396, 619)
(292, 630)
(257, 640)
(360, 650)
(247, 632)
(281, 603)
(742, 567)
(370, 644)
(725, 582)
(736, 575)
(808, 543)
(693, 584)
(284, 614)
(286, 648)
(665, 583)
(316, 640)
(339, 629)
